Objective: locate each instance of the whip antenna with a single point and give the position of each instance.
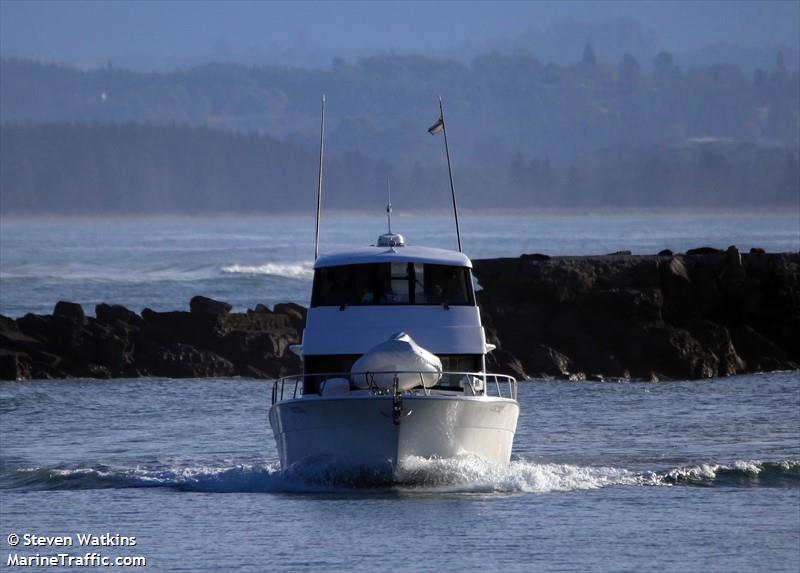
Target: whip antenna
(319, 180)
(389, 204)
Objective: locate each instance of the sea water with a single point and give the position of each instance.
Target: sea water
(671, 476)
(676, 476)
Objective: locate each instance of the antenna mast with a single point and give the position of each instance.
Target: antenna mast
(319, 180)
(389, 204)
(450, 172)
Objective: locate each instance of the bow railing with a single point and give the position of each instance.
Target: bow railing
(322, 384)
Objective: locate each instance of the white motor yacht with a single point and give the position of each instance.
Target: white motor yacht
(394, 358)
(394, 361)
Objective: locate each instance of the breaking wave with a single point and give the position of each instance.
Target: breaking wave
(288, 270)
(461, 475)
(785, 473)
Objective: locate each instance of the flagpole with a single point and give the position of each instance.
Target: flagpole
(450, 172)
(319, 180)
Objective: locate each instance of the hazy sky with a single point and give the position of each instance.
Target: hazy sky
(161, 34)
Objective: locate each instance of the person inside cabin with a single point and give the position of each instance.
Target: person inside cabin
(436, 294)
(364, 282)
(339, 286)
(456, 293)
(435, 284)
(365, 295)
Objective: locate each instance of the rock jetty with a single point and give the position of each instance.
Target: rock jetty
(207, 341)
(702, 314)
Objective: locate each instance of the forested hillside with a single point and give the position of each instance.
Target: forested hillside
(523, 134)
(171, 169)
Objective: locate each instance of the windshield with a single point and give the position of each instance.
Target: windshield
(392, 283)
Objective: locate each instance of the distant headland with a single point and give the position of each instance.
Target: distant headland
(701, 314)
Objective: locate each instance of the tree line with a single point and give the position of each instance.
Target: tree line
(139, 168)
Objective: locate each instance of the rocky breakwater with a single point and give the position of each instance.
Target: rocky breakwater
(209, 340)
(696, 315)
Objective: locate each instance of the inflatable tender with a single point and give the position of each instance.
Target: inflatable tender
(399, 356)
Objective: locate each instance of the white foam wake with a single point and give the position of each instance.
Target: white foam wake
(466, 474)
(474, 474)
(289, 270)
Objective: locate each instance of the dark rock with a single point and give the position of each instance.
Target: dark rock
(69, 311)
(712, 313)
(503, 362)
(97, 371)
(708, 292)
(677, 289)
(607, 365)
(676, 353)
(675, 270)
(717, 339)
(114, 348)
(209, 341)
(642, 303)
(733, 271)
(542, 360)
(205, 305)
(757, 251)
(12, 337)
(534, 257)
(266, 351)
(758, 351)
(35, 326)
(46, 361)
(71, 339)
(665, 253)
(110, 313)
(295, 312)
(619, 254)
(198, 329)
(184, 361)
(262, 309)
(704, 251)
(254, 322)
(14, 365)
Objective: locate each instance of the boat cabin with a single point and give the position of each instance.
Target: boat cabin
(362, 297)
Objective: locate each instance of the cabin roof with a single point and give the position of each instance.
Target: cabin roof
(404, 254)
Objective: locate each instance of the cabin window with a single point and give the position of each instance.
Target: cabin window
(392, 283)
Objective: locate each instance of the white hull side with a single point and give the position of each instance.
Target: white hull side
(361, 430)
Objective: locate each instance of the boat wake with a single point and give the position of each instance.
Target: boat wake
(462, 475)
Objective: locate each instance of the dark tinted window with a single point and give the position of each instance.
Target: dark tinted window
(392, 283)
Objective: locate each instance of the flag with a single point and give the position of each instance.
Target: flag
(437, 127)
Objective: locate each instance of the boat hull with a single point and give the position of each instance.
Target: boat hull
(361, 430)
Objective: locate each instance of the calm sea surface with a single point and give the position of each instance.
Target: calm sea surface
(613, 477)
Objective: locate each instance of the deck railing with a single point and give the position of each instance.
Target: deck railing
(476, 383)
